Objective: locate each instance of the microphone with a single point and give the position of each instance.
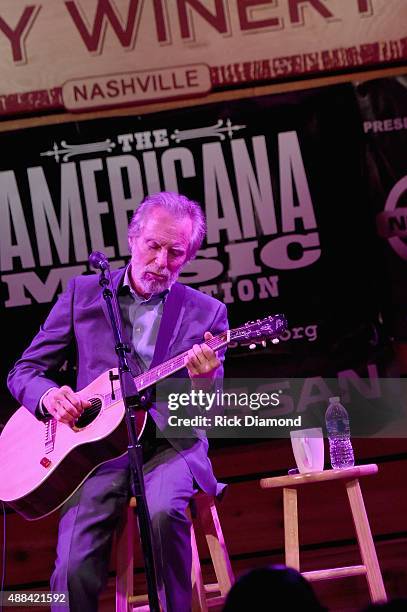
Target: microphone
(98, 261)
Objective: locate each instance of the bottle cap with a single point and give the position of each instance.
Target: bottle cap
(334, 400)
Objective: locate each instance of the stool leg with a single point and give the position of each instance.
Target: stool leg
(292, 550)
(366, 544)
(198, 588)
(124, 565)
(209, 519)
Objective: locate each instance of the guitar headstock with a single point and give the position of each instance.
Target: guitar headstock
(268, 328)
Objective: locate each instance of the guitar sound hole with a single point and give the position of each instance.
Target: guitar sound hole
(89, 414)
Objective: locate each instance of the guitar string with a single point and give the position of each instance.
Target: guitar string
(149, 377)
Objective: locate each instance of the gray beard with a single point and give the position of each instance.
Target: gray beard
(156, 286)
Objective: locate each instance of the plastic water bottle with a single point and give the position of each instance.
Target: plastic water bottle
(337, 425)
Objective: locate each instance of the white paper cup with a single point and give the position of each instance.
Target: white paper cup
(308, 449)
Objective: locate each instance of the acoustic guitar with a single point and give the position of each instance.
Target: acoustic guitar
(42, 463)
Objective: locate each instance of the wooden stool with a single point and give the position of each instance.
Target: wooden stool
(350, 478)
(203, 508)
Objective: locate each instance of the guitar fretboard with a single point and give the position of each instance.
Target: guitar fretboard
(150, 377)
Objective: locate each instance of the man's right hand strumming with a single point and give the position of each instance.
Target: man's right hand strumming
(64, 404)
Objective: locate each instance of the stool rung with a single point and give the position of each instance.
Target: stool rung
(213, 602)
(212, 588)
(140, 599)
(336, 572)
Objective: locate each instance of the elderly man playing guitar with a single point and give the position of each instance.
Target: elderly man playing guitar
(164, 234)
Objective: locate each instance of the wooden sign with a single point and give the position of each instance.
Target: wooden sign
(82, 54)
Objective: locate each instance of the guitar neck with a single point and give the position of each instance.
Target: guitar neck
(150, 377)
(268, 328)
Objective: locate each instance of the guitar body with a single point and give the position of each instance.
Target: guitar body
(43, 464)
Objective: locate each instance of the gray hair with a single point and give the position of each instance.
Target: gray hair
(177, 205)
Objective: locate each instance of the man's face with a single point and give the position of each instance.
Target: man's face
(159, 251)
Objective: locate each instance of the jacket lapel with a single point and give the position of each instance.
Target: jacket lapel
(170, 320)
(132, 358)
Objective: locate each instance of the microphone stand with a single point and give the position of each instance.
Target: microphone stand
(132, 402)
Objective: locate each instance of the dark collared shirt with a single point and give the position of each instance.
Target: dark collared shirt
(142, 318)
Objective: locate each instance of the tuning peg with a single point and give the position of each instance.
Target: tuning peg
(252, 346)
(263, 343)
(275, 340)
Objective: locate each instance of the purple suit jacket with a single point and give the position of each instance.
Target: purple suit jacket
(79, 317)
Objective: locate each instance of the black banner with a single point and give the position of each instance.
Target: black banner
(384, 108)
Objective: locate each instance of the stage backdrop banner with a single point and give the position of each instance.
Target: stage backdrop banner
(84, 54)
(282, 182)
(384, 108)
